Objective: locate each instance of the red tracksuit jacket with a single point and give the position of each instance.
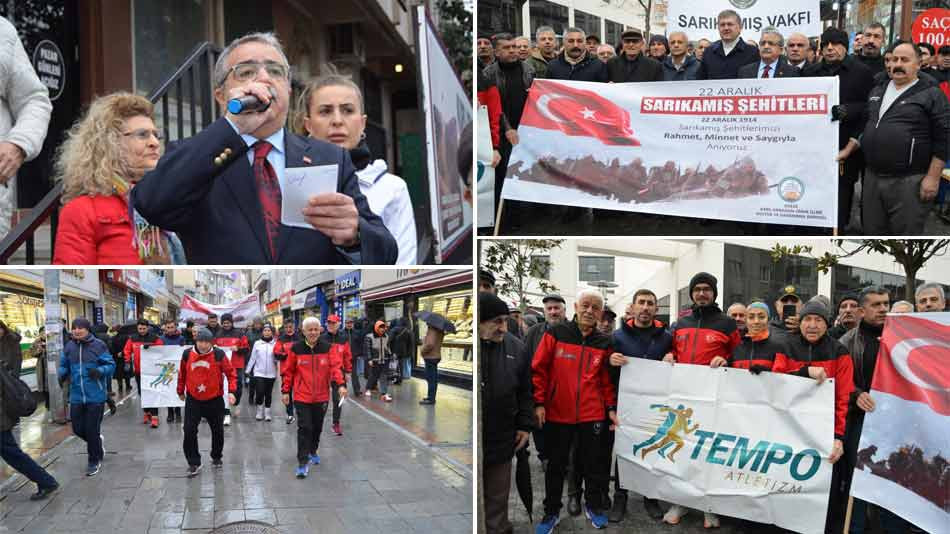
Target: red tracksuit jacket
(202, 375)
(234, 338)
(569, 374)
(310, 371)
(133, 349)
(834, 357)
(340, 344)
(704, 334)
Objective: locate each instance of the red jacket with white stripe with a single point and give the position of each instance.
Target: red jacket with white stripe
(704, 334)
(310, 371)
(202, 375)
(340, 343)
(235, 339)
(133, 349)
(569, 374)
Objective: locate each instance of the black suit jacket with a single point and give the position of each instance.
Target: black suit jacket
(782, 70)
(215, 210)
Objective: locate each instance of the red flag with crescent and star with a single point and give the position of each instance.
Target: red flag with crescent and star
(914, 361)
(577, 112)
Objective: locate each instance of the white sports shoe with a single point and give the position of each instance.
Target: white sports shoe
(260, 413)
(227, 420)
(267, 414)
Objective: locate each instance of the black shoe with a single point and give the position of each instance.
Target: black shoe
(619, 508)
(574, 505)
(42, 493)
(170, 418)
(653, 508)
(178, 417)
(217, 463)
(193, 470)
(111, 404)
(427, 401)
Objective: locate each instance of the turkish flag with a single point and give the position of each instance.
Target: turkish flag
(914, 360)
(556, 105)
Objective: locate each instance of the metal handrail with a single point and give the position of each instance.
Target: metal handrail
(186, 74)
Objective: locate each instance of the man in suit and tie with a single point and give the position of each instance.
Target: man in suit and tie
(771, 64)
(221, 190)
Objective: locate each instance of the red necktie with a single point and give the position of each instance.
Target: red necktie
(268, 192)
(765, 71)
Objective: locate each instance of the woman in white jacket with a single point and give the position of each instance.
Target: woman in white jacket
(264, 367)
(332, 108)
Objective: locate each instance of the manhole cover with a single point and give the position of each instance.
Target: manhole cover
(246, 527)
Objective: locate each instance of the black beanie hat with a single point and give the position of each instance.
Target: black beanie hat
(704, 278)
(834, 36)
(813, 307)
(848, 296)
(490, 307)
(227, 317)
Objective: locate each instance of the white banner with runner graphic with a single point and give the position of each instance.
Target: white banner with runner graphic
(758, 151)
(698, 18)
(160, 376)
(244, 309)
(727, 441)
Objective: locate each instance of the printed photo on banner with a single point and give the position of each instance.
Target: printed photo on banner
(727, 441)
(160, 364)
(741, 150)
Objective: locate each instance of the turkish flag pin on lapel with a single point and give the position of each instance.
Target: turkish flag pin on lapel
(306, 159)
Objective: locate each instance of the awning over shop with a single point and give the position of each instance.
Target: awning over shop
(403, 287)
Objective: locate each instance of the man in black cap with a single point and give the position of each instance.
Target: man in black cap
(632, 65)
(784, 321)
(508, 409)
(486, 281)
(849, 315)
(606, 323)
(721, 61)
(855, 83)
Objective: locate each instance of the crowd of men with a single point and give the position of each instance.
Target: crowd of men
(899, 151)
(219, 361)
(525, 386)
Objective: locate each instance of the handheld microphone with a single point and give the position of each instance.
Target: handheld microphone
(250, 103)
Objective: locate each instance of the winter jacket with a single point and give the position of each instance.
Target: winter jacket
(78, 358)
(25, 110)
(95, 230)
(493, 73)
(716, 65)
(505, 392)
(854, 84)
(311, 371)
(236, 339)
(641, 69)
(262, 362)
(911, 132)
(538, 63)
(400, 339)
(766, 351)
(177, 339)
(834, 358)
(569, 375)
(630, 341)
(704, 334)
(340, 344)
(356, 341)
(252, 336)
(202, 375)
(489, 97)
(863, 362)
(133, 349)
(688, 71)
(532, 338)
(11, 358)
(588, 69)
(282, 347)
(376, 348)
(388, 197)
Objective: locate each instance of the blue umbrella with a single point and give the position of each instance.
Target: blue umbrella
(436, 321)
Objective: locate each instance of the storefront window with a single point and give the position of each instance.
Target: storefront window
(164, 33)
(851, 280)
(392, 310)
(24, 315)
(612, 31)
(496, 16)
(456, 306)
(544, 13)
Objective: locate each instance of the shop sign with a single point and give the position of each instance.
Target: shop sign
(932, 26)
(311, 299)
(348, 283)
(132, 279)
(298, 301)
(285, 298)
(273, 306)
(50, 66)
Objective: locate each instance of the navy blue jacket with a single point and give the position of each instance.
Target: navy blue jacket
(631, 342)
(173, 340)
(216, 212)
(590, 69)
(716, 65)
(77, 359)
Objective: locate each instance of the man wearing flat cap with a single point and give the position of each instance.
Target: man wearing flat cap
(632, 65)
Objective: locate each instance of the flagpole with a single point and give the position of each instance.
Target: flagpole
(501, 207)
(847, 515)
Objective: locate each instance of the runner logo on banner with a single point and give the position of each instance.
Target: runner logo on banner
(743, 150)
(698, 18)
(160, 365)
(727, 441)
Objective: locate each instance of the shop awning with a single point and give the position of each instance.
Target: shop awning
(394, 290)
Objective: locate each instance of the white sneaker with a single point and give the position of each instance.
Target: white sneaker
(227, 420)
(368, 394)
(102, 443)
(260, 413)
(710, 520)
(267, 414)
(674, 514)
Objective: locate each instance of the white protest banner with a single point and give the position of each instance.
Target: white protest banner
(905, 442)
(224, 381)
(243, 309)
(448, 110)
(727, 441)
(160, 376)
(485, 178)
(758, 151)
(698, 18)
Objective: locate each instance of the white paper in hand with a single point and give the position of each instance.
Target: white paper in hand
(301, 183)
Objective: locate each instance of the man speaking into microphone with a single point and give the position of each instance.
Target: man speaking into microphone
(245, 190)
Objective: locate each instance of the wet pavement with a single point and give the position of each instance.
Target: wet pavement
(396, 469)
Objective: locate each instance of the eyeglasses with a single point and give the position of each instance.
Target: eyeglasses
(245, 72)
(633, 40)
(143, 134)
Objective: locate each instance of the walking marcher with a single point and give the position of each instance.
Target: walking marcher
(253, 334)
(263, 364)
(143, 337)
(505, 390)
(101, 331)
(87, 364)
(286, 339)
(201, 385)
(340, 349)
(11, 361)
(377, 351)
(117, 347)
(312, 370)
(171, 336)
(230, 337)
(356, 350)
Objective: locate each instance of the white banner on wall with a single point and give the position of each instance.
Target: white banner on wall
(727, 441)
(744, 150)
(160, 364)
(698, 17)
